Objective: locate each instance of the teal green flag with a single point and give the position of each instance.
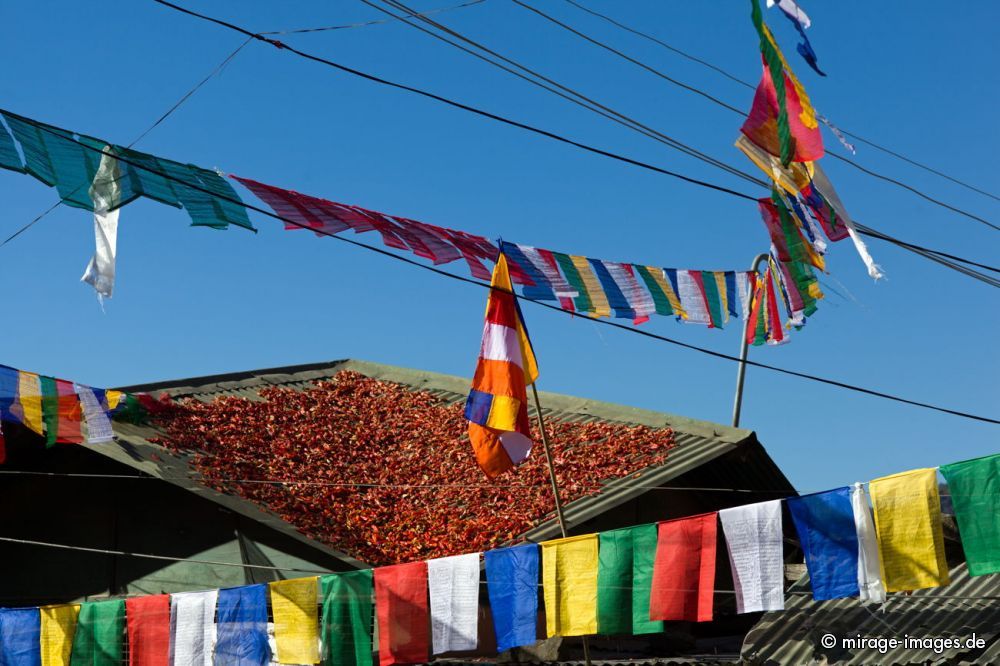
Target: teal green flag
(975, 494)
(50, 409)
(100, 634)
(624, 578)
(347, 618)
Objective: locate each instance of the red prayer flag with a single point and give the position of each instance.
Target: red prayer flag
(148, 620)
(761, 125)
(684, 570)
(403, 614)
(70, 413)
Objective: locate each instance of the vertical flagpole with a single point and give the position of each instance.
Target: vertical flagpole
(555, 490)
(744, 350)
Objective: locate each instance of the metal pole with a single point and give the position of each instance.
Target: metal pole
(744, 350)
(555, 491)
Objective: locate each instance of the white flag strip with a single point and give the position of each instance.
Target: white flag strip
(638, 298)
(98, 424)
(192, 628)
(744, 285)
(105, 193)
(692, 299)
(453, 583)
(869, 570)
(754, 540)
(559, 284)
(789, 7)
(825, 187)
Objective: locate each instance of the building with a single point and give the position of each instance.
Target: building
(177, 509)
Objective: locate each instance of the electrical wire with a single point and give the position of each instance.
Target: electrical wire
(730, 107)
(365, 24)
(471, 109)
(139, 138)
(749, 85)
(461, 278)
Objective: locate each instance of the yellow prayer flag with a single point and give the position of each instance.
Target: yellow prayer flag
(569, 583)
(112, 398)
(57, 631)
(29, 395)
(294, 604)
(908, 525)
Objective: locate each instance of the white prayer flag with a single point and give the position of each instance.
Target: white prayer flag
(99, 428)
(192, 628)
(869, 569)
(692, 299)
(453, 583)
(754, 540)
(825, 187)
(790, 7)
(105, 193)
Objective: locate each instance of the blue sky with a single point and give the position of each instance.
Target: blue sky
(192, 301)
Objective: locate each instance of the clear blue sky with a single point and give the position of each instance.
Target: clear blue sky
(919, 78)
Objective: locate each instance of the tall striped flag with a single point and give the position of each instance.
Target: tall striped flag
(497, 407)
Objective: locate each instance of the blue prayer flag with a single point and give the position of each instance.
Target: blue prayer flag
(242, 627)
(20, 631)
(512, 583)
(825, 523)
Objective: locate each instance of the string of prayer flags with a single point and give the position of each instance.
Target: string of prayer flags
(192, 626)
(974, 486)
(754, 540)
(764, 321)
(827, 533)
(512, 585)
(569, 585)
(296, 627)
(19, 636)
(148, 625)
(348, 620)
(58, 625)
(908, 524)
(683, 585)
(624, 580)
(871, 590)
(497, 406)
(453, 583)
(100, 634)
(401, 607)
(242, 626)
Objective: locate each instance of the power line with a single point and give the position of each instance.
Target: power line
(466, 107)
(365, 24)
(749, 85)
(139, 138)
(575, 315)
(729, 107)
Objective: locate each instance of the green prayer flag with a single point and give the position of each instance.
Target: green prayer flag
(975, 494)
(660, 299)
(624, 578)
(715, 311)
(582, 301)
(100, 634)
(50, 409)
(348, 618)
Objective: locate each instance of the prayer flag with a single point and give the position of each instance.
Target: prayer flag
(799, 19)
(401, 606)
(100, 634)
(27, 408)
(974, 486)
(754, 541)
(692, 297)
(57, 629)
(296, 627)
(106, 195)
(19, 633)
(348, 622)
(148, 622)
(497, 407)
(192, 628)
(453, 583)
(792, 179)
(70, 413)
(582, 302)
(512, 583)
(569, 584)
(242, 627)
(99, 428)
(908, 523)
(624, 577)
(870, 586)
(823, 185)
(601, 307)
(762, 128)
(825, 523)
(683, 586)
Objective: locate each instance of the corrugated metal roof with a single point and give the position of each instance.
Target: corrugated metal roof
(698, 442)
(969, 605)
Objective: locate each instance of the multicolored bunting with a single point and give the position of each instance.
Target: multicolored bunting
(764, 321)
(974, 486)
(910, 538)
(512, 585)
